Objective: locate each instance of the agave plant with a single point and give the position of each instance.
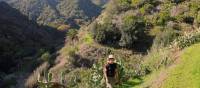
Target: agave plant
(187, 40)
(97, 75)
(46, 82)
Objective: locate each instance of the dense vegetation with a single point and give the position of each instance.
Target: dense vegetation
(163, 28)
(155, 30)
(55, 13)
(22, 41)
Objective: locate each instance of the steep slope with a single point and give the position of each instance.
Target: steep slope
(21, 37)
(23, 43)
(187, 72)
(57, 11)
(127, 29)
(173, 66)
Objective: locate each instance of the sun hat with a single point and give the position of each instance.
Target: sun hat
(111, 56)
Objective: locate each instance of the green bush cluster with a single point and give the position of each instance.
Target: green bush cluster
(146, 9)
(46, 56)
(156, 59)
(190, 14)
(185, 41)
(163, 17)
(132, 30)
(124, 4)
(137, 3)
(88, 38)
(165, 38)
(71, 34)
(106, 33)
(141, 3)
(97, 75)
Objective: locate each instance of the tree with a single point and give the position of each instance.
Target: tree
(132, 30)
(106, 33)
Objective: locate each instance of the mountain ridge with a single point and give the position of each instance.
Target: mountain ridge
(20, 35)
(57, 11)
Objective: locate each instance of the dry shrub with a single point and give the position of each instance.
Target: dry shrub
(32, 79)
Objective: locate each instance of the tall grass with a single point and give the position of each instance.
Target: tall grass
(32, 79)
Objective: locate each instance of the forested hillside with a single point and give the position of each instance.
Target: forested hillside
(56, 13)
(22, 40)
(148, 38)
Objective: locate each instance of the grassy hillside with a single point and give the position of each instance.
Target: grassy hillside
(186, 73)
(171, 68)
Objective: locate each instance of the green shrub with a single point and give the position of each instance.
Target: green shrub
(46, 56)
(53, 25)
(88, 39)
(156, 59)
(180, 18)
(146, 9)
(99, 35)
(72, 33)
(164, 16)
(125, 70)
(194, 7)
(97, 75)
(124, 4)
(165, 38)
(106, 33)
(187, 40)
(78, 78)
(133, 29)
(72, 50)
(141, 3)
(137, 3)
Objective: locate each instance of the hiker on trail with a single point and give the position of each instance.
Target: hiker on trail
(110, 71)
